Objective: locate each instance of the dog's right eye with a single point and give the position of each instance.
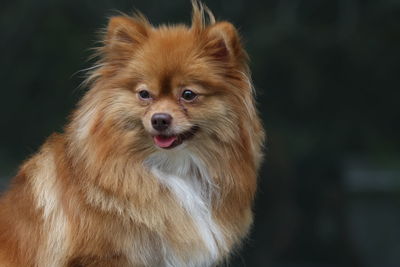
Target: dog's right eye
(144, 94)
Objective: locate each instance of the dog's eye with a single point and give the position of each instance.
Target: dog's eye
(144, 94)
(188, 95)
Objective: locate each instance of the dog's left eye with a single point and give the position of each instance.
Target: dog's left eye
(144, 94)
(188, 95)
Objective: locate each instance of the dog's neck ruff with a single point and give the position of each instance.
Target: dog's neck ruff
(188, 179)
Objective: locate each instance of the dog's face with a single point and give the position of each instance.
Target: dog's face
(180, 84)
(171, 100)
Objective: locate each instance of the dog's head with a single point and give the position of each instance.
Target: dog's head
(168, 86)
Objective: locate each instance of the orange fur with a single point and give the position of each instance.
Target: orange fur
(102, 193)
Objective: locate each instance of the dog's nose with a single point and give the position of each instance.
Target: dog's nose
(161, 121)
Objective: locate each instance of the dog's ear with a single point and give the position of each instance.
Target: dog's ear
(125, 30)
(223, 43)
(124, 35)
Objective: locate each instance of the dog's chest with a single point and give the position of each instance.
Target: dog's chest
(188, 180)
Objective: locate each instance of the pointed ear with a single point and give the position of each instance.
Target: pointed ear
(124, 34)
(224, 43)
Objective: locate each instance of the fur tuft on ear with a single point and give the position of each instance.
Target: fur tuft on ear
(200, 13)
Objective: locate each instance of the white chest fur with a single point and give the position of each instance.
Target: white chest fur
(188, 179)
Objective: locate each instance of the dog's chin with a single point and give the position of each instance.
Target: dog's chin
(174, 140)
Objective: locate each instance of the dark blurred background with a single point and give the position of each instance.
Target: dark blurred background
(327, 74)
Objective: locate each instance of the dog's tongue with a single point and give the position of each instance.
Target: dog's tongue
(164, 141)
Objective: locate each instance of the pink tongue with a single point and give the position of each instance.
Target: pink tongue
(163, 141)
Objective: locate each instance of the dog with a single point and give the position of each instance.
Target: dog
(158, 163)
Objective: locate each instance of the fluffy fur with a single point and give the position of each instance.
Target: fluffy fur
(103, 194)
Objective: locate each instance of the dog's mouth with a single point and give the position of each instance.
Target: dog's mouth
(171, 141)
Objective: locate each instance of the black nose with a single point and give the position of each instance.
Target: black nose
(161, 121)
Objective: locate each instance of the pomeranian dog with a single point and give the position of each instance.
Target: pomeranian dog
(158, 164)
